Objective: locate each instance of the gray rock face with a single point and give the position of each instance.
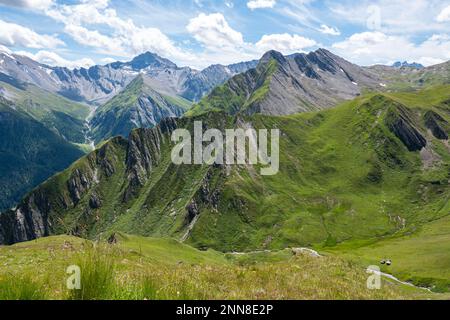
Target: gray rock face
(95, 85)
(401, 124)
(314, 81)
(144, 153)
(34, 216)
(437, 125)
(37, 215)
(282, 85)
(201, 83)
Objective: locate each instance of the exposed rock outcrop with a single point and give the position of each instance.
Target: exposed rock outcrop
(144, 153)
(400, 122)
(38, 214)
(283, 85)
(437, 125)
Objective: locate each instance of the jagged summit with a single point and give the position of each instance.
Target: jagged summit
(272, 54)
(146, 60)
(406, 64)
(98, 84)
(282, 85)
(139, 105)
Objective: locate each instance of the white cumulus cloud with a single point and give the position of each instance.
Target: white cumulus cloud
(444, 16)
(261, 4)
(108, 60)
(225, 45)
(285, 43)
(121, 38)
(53, 59)
(214, 32)
(368, 48)
(93, 38)
(12, 34)
(329, 30)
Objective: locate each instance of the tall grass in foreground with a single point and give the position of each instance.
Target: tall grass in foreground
(15, 287)
(298, 278)
(114, 272)
(97, 267)
(104, 278)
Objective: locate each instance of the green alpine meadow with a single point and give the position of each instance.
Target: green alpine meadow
(351, 118)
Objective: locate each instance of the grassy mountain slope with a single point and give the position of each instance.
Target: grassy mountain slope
(420, 257)
(150, 268)
(344, 174)
(137, 106)
(29, 154)
(371, 168)
(60, 115)
(239, 93)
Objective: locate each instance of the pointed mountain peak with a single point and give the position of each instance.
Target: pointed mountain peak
(148, 59)
(324, 54)
(323, 51)
(406, 64)
(272, 54)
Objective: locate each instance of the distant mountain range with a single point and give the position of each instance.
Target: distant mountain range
(406, 64)
(82, 106)
(98, 84)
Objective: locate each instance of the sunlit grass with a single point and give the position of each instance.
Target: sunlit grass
(37, 270)
(13, 287)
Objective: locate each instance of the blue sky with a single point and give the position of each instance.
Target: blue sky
(198, 33)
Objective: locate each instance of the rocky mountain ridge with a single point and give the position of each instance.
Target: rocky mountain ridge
(366, 146)
(137, 106)
(282, 85)
(98, 84)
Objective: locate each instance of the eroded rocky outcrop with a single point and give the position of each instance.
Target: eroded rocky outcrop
(437, 125)
(400, 122)
(39, 214)
(207, 195)
(144, 153)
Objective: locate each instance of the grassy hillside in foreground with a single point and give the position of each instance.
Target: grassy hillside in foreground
(148, 268)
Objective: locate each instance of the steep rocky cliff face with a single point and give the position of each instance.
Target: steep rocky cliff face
(39, 213)
(400, 121)
(286, 85)
(106, 185)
